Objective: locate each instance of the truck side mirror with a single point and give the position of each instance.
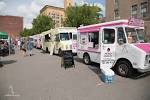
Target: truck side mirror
(120, 41)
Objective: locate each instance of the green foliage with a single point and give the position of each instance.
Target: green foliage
(81, 15)
(40, 24)
(26, 32)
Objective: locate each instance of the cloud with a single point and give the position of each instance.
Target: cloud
(29, 12)
(33, 9)
(58, 3)
(2, 6)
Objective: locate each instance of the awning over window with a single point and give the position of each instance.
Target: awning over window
(3, 35)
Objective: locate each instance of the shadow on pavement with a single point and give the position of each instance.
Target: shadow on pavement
(95, 67)
(44, 52)
(8, 62)
(78, 59)
(31, 55)
(138, 75)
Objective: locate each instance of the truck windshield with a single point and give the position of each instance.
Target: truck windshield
(132, 35)
(140, 33)
(64, 36)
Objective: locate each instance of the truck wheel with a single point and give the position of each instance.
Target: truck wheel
(86, 59)
(124, 68)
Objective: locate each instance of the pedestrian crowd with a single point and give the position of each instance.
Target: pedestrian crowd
(25, 45)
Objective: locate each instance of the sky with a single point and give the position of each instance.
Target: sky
(29, 9)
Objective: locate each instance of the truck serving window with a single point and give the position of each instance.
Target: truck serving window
(121, 35)
(131, 35)
(64, 36)
(47, 38)
(109, 36)
(83, 39)
(94, 38)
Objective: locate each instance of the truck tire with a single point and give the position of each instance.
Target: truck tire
(86, 59)
(124, 68)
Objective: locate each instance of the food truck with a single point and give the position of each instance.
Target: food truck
(37, 40)
(60, 39)
(115, 44)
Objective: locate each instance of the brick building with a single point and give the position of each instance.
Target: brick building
(125, 9)
(13, 25)
(56, 13)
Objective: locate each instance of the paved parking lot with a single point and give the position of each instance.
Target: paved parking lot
(40, 77)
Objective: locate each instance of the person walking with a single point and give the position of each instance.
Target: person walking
(18, 43)
(24, 47)
(29, 46)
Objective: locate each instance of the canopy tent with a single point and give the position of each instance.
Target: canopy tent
(3, 35)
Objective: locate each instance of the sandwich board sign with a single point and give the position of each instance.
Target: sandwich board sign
(67, 60)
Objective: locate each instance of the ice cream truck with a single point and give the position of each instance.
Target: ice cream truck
(115, 44)
(60, 39)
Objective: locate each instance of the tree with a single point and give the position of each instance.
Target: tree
(81, 15)
(26, 32)
(42, 23)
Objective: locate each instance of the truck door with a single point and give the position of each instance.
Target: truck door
(57, 43)
(74, 42)
(108, 45)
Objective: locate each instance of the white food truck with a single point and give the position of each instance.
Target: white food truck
(59, 39)
(115, 44)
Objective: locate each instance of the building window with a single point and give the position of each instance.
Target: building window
(116, 11)
(57, 16)
(144, 8)
(134, 11)
(49, 14)
(116, 4)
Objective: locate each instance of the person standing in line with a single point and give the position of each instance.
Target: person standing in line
(29, 46)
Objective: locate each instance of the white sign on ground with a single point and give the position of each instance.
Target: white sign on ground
(11, 92)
